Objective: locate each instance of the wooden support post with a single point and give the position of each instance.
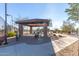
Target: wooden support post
(30, 29)
(45, 31)
(20, 29)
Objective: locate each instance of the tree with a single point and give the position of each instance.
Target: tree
(73, 11)
(68, 27)
(56, 30)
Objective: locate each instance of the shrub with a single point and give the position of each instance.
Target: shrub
(11, 34)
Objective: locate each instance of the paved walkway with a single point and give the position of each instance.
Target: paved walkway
(63, 42)
(28, 46)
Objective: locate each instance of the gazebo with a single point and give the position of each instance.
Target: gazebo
(33, 23)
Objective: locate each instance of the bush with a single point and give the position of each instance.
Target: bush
(11, 34)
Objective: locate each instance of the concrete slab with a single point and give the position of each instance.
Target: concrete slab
(22, 48)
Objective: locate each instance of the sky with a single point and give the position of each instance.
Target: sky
(54, 11)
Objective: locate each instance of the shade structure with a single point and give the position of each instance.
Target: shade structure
(33, 23)
(36, 22)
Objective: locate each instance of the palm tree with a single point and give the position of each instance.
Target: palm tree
(73, 11)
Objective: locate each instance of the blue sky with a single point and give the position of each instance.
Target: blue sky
(54, 11)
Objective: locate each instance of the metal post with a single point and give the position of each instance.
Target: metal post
(5, 24)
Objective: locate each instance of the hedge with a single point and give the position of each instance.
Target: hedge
(11, 34)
